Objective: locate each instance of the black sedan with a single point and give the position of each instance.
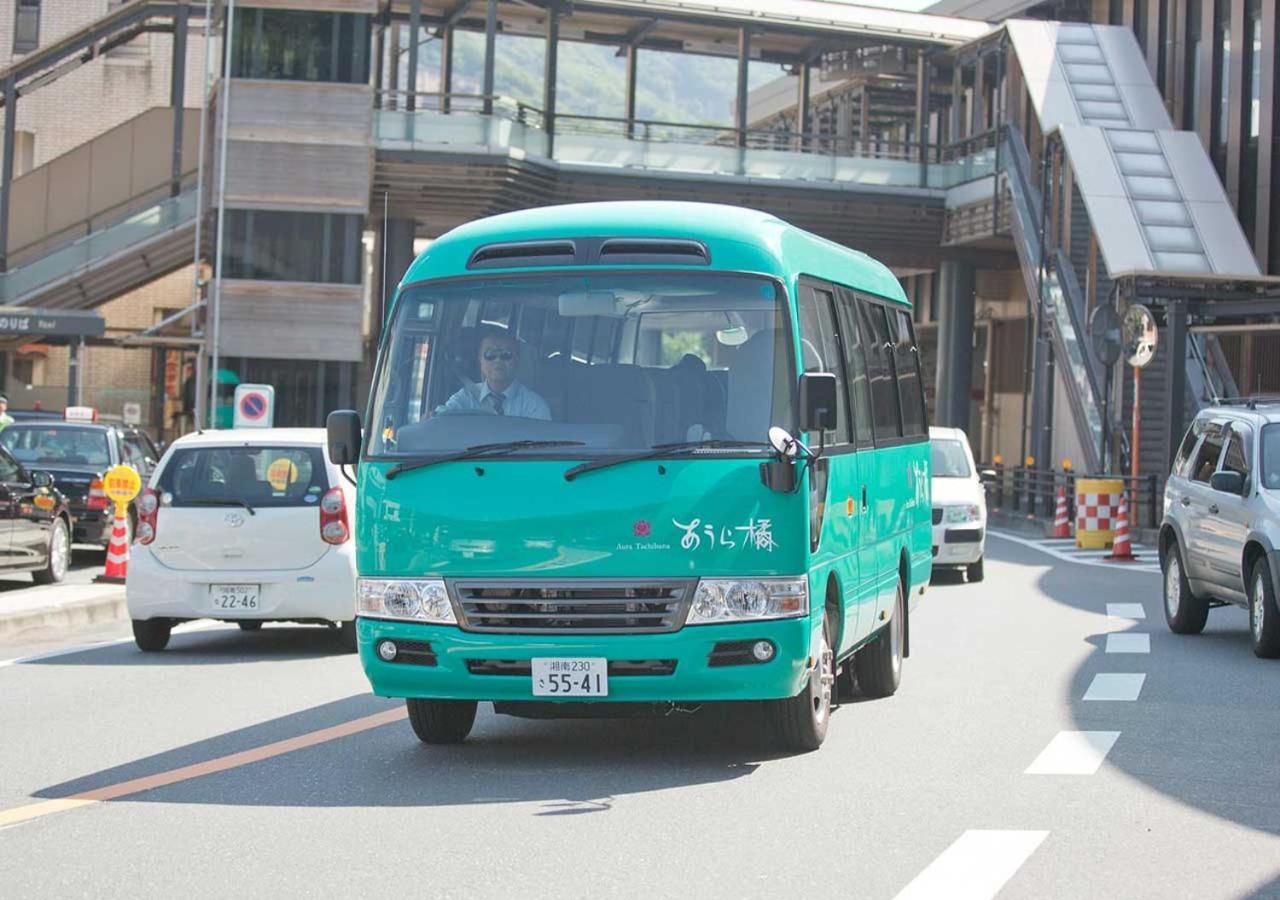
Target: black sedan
(77, 454)
(35, 520)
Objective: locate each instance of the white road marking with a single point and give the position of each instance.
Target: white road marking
(1128, 642)
(1074, 753)
(975, 867)
(1065, 549)
(1115, 686)
(1126, 611)
(99, 645)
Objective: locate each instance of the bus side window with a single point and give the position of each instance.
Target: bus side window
(820, 352)
(906, 362)
(884, 392)
(855, 364)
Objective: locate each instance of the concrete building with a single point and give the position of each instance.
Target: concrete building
(1019, 174)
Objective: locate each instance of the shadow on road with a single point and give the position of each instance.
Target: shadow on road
(572, 767)
(222, 646)
(1205, 727)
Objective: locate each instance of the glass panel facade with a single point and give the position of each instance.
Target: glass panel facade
(296, 45)
(1222, 86)
(293, 246)
(1191, 83)
(1250, 121)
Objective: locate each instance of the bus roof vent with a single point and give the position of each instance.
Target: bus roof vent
(655, 251)
(524, 253)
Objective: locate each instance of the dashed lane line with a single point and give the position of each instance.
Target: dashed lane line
(1128, 642)
(196, 770)
(1115, 686)
(1133, 611)
(1074, 753)
(975, 867)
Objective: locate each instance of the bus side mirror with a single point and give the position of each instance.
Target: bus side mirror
(818, 400)
(343, 430)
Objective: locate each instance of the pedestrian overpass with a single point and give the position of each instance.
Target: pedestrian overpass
(933, 143)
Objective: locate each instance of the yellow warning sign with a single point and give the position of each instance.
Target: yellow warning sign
(121, 484)
(282, 473)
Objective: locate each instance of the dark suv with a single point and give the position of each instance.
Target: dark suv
(1221, 529)
(77, 454)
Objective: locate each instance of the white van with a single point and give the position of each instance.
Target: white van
(959, 504)
(247, 526)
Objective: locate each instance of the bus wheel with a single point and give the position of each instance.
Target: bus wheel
(879, 663)
(800, 722)
(441, 721)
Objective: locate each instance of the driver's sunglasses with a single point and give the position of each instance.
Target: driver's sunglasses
(494, 355)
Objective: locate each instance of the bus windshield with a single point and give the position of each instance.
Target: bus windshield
(610, 362)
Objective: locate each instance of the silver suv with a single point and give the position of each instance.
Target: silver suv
(1221, 528)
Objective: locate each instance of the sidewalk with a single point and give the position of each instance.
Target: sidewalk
(60, 606)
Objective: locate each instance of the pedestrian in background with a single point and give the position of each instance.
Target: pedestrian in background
(5, 419)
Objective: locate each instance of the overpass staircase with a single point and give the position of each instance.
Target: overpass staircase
(1107, 188)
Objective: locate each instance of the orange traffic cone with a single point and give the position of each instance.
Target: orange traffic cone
(1061, 528)
(117, 551)
(1121, 549)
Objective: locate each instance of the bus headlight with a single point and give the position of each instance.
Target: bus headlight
(733, 600)
(409, 599)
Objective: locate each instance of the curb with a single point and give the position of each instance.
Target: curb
(107, 608)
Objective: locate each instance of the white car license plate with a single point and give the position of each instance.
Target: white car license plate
(234, 596)
(570, 677)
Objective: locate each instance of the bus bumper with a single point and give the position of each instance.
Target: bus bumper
(453, 667)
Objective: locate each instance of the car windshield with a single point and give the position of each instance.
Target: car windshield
(53, 444)
(618, 362)
(259, 476)
(1271, 457)
(949, 459)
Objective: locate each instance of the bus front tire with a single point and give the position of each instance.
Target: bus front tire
(879, 664)
(800, 722)
(441, 721)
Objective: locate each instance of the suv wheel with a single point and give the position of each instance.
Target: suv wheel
(1264, 617)
(1184, 611)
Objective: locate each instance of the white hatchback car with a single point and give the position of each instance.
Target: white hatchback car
(247, 526)
(959, 504)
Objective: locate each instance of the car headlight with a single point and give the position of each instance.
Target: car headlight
(733, 600)
(957, 514)
(410, 599)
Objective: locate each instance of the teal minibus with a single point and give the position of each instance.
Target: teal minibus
(628, 458)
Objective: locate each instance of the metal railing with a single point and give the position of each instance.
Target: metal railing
(1034, 493)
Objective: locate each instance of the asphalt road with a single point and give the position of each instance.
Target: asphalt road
(260, 764)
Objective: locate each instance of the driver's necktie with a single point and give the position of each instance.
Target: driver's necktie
(498, 400)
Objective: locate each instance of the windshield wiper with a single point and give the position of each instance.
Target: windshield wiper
(475, 451)
(215, 501)
(658, 450)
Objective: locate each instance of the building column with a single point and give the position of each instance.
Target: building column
(922, 114)
(446, 66)
(633, 62)
(415, 29)
(177, 92)
(396, 248)
(490, 53)
(549, 75)
(744, 61)
(6, 168)
(1176, 383)
(955, 344)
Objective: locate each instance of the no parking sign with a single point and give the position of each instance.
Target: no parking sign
(255, 406)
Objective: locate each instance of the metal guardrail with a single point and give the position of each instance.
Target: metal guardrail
(1034, 492)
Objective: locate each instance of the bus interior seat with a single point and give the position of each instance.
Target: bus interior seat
(615, 395)
(751, 377)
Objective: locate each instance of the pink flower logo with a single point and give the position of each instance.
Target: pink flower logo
(641, 528)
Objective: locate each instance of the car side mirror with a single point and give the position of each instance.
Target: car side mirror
(988, 475)
(42, 479)
(1227, 482)
(343, 431)
(818, 399)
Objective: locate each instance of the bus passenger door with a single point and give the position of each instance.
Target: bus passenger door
(834, 521)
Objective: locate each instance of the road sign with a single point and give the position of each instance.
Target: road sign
(132, 414)
(121, 484)
(1139, 336)
(1106, 334)
(254, 406)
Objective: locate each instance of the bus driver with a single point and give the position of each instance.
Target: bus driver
(498, 391)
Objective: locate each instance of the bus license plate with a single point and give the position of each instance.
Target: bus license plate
(234, 596)
(563, 677)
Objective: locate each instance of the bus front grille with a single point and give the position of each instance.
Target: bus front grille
(594, 607)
